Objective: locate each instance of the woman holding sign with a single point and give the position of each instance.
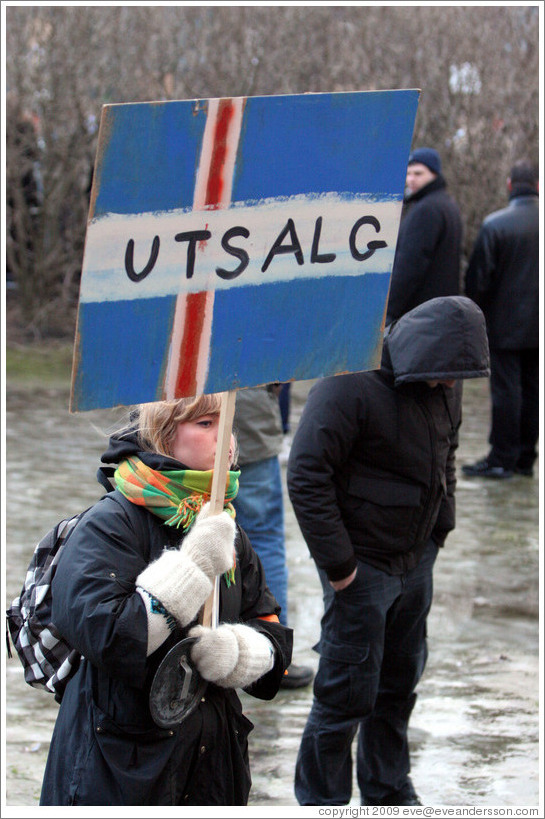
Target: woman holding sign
(129, 587)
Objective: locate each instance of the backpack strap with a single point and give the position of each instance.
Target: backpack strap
(104, 477)
(8, 641)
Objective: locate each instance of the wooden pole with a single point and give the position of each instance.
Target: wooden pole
(210, 610)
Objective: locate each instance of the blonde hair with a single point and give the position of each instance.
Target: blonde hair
(157, 422)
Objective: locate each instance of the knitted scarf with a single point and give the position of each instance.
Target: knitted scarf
(175, 495)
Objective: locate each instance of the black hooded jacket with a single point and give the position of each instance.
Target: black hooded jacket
(428, 250)
(106, 749)
(371, 473)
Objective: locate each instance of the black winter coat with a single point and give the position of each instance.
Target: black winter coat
(371, 472)
(503, 273)
(428, 250)
(106, 749)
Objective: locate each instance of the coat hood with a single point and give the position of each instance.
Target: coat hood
(443, 338)
(125, 444)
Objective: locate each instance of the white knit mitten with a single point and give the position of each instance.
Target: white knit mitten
(210, 542)
(216, 652)
(181, 579)
(232, 655)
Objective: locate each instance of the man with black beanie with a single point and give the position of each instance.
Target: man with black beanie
(428, 253)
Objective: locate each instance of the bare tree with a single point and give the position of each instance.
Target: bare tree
(477, 68)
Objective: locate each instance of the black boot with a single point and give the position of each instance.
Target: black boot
(297, 676)
(484, 469)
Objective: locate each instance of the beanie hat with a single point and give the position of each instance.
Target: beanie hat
(428, 157)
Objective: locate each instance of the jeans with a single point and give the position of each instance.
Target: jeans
(514, 387)
(260, 511)
(373, 651)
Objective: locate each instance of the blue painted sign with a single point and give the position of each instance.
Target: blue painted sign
(239, 241)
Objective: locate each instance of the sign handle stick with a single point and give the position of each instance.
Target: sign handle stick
(210, 610)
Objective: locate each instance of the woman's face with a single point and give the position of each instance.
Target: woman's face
(195, 442)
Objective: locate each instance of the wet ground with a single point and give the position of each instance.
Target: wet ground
(475, 729)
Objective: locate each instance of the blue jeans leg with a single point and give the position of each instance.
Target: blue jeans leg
(372, 654)
(260, 511)
(323, 770)
(383, 760)
(345, 686)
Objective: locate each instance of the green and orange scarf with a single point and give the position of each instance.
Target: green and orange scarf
(175, 495)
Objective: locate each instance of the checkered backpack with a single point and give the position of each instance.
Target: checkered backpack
(48, 660)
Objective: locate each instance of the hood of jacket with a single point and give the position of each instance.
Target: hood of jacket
(442, 339)
(125, 444)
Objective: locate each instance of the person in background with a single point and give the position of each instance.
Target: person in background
(428, 253)
(130, 584)
(371, 477)
(503, 279)
(260, 504)
(284, 399)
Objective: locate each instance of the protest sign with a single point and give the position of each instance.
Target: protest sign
(238, 241)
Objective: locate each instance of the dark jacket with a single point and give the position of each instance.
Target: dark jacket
(428, 251)
(106, 749)
(371, 473)
(503, 272)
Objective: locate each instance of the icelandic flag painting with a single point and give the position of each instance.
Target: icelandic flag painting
(238, 241)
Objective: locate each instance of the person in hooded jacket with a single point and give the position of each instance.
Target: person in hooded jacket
(427, 261)
(130, 584)
(371, 477)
